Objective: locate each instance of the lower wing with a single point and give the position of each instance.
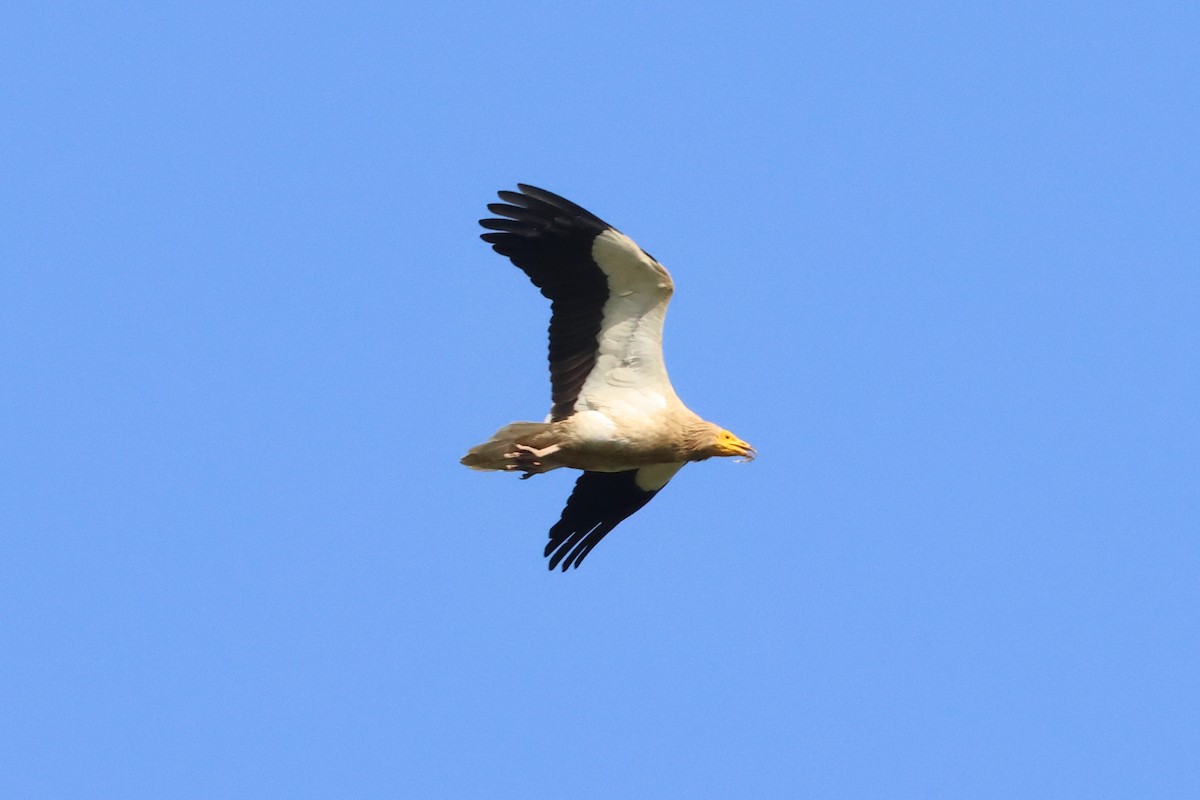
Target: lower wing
(600, 502)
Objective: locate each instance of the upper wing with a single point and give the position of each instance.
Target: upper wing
(600, 502)
(608, 296)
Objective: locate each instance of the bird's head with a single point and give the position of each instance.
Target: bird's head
(723, 443)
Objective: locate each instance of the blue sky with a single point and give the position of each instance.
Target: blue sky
(938, 262)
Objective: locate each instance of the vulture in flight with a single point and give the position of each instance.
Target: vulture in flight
(613, 412)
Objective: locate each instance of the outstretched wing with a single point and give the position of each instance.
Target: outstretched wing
(608, 296)
(600, 501)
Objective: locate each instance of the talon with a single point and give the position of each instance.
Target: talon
(527, 459)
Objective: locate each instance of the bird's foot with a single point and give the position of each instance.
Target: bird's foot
(529, 460)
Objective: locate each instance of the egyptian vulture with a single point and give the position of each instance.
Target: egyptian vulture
(614, 414)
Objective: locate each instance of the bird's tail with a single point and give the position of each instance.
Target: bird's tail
(496, 452)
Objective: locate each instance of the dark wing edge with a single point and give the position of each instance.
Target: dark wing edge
(550, 239)
(600, 502)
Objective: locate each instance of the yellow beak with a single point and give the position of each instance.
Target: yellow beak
(739, 448)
